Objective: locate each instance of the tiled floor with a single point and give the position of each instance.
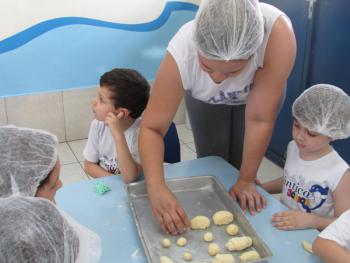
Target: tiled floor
(72, 160)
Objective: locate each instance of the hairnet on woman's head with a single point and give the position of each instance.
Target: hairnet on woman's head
(229, 29)
(34, 230)
(27, 157)
(324, 109)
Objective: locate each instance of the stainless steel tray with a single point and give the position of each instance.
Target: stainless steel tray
(200, 195)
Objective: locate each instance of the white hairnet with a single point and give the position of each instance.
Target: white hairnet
(229, 29)
(324, 109)
(27, 157)
(33, 230)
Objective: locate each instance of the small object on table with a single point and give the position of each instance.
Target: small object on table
(101, 188)
(307, 246)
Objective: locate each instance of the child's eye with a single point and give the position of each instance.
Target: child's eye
(311, 134)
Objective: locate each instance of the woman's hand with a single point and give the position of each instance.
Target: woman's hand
(292, 220)
(171, 218)
(246, 194)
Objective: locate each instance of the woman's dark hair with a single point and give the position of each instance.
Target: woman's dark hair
(130, 89)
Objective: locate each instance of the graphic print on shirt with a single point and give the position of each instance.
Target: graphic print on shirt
(231, 97)
(110, 164)
(309, 195)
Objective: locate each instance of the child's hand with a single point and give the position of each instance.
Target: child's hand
(114, 122)
(292, 220)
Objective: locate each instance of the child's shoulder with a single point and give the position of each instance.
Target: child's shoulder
(98, 127)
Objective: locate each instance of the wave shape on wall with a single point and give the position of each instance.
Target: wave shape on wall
(29, 34)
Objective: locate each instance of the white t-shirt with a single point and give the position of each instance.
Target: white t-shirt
(309, 185)
(100, 146)
(232, 91)
(339, 230)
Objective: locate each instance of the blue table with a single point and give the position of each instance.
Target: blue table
(109, 215)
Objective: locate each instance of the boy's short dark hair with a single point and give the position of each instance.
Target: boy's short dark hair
(130, 89)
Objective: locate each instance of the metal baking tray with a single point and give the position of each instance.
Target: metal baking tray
(200, 195)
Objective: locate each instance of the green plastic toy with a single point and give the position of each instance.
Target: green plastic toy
(101, 188)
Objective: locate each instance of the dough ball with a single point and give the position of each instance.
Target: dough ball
(200, 222)
(165, 259)
(181, 242)
(239, 243)
(187, 256)
(213, 249)
(208, 236)
(224, 258)
(232, 229)
(222, 217)
(250, 255)
(166, 243)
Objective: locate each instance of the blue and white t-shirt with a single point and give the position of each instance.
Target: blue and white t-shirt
(309, 185)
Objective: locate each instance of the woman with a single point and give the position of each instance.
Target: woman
(231, 63)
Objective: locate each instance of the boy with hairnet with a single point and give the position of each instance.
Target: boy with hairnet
(112, 145)
(29, 179)
(316, 180)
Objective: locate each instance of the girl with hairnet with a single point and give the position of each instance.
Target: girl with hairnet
(231, 63)
(32, 228)
(316, 180)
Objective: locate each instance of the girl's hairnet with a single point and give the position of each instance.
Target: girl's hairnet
(229, 29)
(324, 109)
(27, 157)
(34, 230)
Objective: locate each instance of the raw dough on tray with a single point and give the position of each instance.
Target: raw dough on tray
(250, 255)
(187, 256)
(165, 259)
(232, 229)
(224, 258)
(200, 222)
(166, 243)
(239, 243)
(213, 249)
(181, 242)
(223, 217)
(208, 236)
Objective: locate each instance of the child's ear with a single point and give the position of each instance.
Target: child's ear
(125, 112)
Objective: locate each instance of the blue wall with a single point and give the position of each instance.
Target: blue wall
(73, 52)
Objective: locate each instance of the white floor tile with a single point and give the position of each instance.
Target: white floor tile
(65, 154)
(185, 135)
(77, 148)
(187, 153)
(72, 173)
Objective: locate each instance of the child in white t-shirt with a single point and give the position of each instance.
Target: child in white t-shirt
(333, 243)
(316, 180)
(112, 146)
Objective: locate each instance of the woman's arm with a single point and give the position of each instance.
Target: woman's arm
(165, 98)
(330, 251)
(261, 110)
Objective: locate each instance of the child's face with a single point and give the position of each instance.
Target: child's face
(102, 104)
(309, 143)
(49, 188)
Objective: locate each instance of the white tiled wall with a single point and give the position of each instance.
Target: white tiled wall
(3, 117)
(77, 112)
(41, 111)
(67, 114)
